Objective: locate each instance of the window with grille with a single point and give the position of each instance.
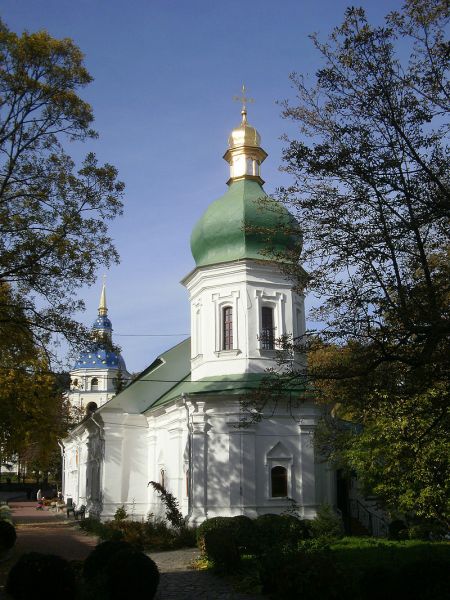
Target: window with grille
(267, 336)
(279, 482)
(227, 325)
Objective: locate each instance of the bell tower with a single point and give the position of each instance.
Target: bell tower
(241, 301)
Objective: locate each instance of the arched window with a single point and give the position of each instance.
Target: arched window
(75, 382)
(268, 329)
(279, 482)
(227, 328)
(94, 383)
(162, 478)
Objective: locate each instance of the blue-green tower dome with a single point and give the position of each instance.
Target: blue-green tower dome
(245, 222)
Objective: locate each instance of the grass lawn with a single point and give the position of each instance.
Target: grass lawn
(359, 553)
(353, 557)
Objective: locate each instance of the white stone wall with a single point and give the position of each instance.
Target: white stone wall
(81, 392)
(211, 466)
(246, 286)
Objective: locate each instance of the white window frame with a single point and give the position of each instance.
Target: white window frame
(276, 301)
(221, 302)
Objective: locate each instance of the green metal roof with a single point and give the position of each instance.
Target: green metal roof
(229, 385)
(158, 379)
(168, 377)
(222, 234)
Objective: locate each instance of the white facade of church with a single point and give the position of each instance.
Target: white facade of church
(177, 423)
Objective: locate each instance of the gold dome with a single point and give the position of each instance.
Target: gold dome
(244, 135)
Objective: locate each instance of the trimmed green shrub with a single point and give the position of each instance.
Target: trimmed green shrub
(131, 574)
(7, 536)
(308, 573)
(97, 560)
(128, 531)
(117, 571)
(209, 525)
(92, 525)
(378, 582)
(424, 579)
(327, 523)
(397, 530)
(279, 530)
(245, 533)
(221, 547)
(35, 574)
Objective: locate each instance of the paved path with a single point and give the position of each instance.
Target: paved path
(49, 532)
(179, 582)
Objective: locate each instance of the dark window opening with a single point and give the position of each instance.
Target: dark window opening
(162, 478)
(94, 383)
(227, 325)
(279, 482)
(268, 330)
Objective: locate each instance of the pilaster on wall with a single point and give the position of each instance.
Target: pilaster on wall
(199, 480)
(308, 470)
(112, 472)
(242, 460)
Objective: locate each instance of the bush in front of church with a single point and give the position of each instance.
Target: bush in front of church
(34, 572)
(327, 523)
(279, 531)
(220, 523)
(7, 536)
(221, 547)
(131, 574)
(115, 570)
(245, 533)
(308, 572)
(242, 529)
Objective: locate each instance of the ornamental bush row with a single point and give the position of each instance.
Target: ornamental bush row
(152, 534)
(113, 571)
(259, 536)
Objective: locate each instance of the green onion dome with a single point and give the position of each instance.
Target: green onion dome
(245, 223)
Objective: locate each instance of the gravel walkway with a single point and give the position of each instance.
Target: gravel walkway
(49, 532)
(179, 582)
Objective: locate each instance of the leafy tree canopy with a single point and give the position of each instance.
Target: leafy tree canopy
(53, 215)
(370, 189)
(34, 412)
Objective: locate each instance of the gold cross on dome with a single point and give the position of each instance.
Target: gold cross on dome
(244, 99)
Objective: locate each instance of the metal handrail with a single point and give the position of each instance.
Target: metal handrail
(374, 524)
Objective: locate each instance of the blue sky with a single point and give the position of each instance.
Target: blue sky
(165, 73)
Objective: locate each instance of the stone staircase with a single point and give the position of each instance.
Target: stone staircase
(364, 519)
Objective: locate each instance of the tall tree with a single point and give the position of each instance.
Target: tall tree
(371, 191)
(53, 216)
(34, 411)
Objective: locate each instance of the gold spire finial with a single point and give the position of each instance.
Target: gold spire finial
(245, 100)
(102, 308)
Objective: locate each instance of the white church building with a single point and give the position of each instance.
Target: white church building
(94, 378)
(177, 422)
